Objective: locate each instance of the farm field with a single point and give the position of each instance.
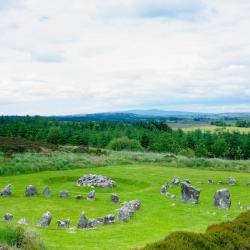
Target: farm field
(157, 217)
(213, 129)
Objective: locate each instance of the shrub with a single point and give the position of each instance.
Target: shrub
(124, 143)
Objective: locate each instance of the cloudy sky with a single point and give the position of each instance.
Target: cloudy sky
(85, 56)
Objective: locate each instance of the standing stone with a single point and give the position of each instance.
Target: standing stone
(7, 191)
(47, 192)
(231, 181)
(63, 194)
(63, 223)
(114, 198)
(23, 221)
(91, 195)
(176, 181)
(222, 199)
(83, 222)
(189, 193)
(109, 219)
(8, 217)
(30, 191)
(209, 181)
(45, 220)
(164, 188)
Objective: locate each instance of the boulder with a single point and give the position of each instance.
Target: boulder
(8, 217)
(189, 193)
(63, 194)
(63, 223)
(222, 199)
(114, 198)
(109, 219)
(30, 191)
(79, 197)
(23, 221)
(83, 222)
(47, 192)
(7, 191)
(231, 181)
(176, 181)
(45, 220)
(91, 195)
(92, 180)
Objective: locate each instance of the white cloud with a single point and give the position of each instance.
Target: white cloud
(111, 55)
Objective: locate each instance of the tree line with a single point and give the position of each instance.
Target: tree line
(154, 136)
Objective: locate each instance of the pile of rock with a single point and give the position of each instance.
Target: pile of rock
(128, 209)
(92, 180)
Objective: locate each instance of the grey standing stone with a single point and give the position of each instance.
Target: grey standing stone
(30, 191)
(63, 194)
(222, 199)
(47, 192)
(45, 220)
(231, 181)
(83, 222)
(7, 191)
(176, 181)
(63, 223)
(91, 195)
(189, 193)
(114, 198)
(109, 219)
(8, 217)
(164, 188)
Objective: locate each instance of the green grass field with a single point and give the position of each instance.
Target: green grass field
(213, 129)
(158, 215)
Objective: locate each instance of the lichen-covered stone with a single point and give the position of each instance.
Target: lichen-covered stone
(189, 193)
(30, 191)
(222, 199)
(45, 220)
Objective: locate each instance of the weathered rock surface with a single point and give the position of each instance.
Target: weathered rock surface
(90, 223)
(114, 198)
(63, 194)
(189, 193)
(23, 221)
(231, 181)
(63, 223)
(222, 199)
(30, 191)
(109, 219)
(91, 195)
(176, 181)
(47, 192)
(7, 191)
(95, 181)
(128, 209)
(45, 220)
(8, 217)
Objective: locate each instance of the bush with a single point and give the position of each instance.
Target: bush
(227, 235)
(124, 143)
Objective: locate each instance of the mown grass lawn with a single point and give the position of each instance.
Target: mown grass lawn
(158, 215)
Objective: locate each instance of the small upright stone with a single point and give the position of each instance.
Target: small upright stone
(8, 217)
(189, 193)
(63, 223)
(47, 192)
(209, 181)
(83, 222)
(91, 195)
(45, 220)
(176, 181)
(7, 191)
(164, 188)
(109, 219)
(114, 198)
(222, 199)
(63, 194)
(231, 181)
(30, 191)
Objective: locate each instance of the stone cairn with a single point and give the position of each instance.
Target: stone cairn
(92, 180)
(222, 199)
(189, 193)
(128, 209)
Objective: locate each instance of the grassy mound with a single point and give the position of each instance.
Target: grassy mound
(227, 235)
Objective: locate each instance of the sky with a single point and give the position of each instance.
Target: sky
(86, 56)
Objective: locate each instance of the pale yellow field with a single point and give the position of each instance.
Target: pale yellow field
(216, 128)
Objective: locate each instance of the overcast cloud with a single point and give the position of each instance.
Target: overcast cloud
(85, 56)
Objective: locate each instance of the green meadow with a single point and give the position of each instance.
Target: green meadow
(157, 217)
